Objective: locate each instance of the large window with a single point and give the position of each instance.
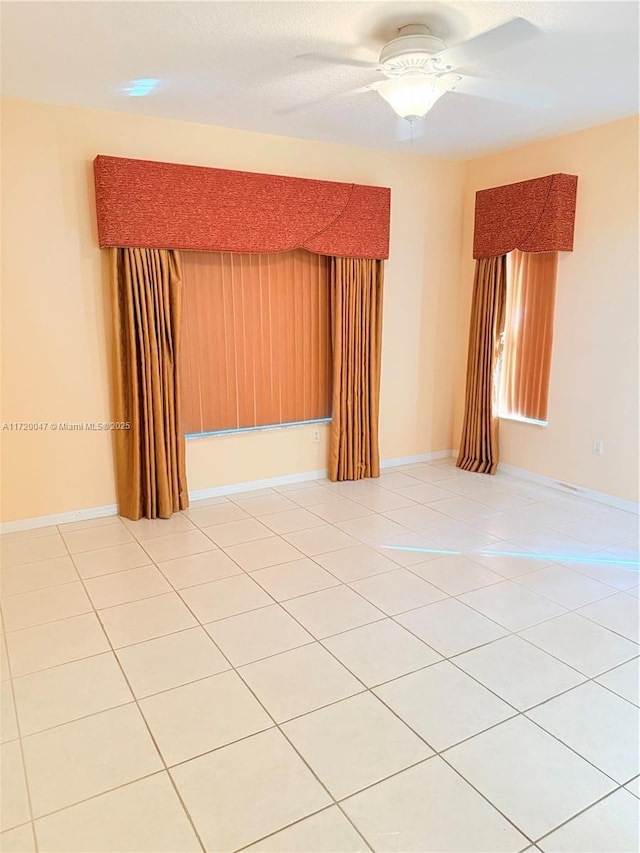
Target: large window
(525, 363)
(256, 349)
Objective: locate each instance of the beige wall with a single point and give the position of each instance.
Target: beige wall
(594, 372)
(55, 310)
(55, 333)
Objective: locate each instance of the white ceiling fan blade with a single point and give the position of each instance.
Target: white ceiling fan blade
(517, 94)
(309, 104)
(330, 59)
(513, 32)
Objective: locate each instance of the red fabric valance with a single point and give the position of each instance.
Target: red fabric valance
(144, 204)
(533, 216)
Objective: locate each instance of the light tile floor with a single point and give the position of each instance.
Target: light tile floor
(326, 667)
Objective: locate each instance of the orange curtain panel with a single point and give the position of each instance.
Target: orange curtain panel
(526, 360)
(256, 349)
(479, 440)
(150, 458)
(356, 332)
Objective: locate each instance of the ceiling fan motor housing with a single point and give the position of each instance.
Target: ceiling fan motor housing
(411, 52)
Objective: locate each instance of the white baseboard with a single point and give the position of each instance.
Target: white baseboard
(58, 518)
(253, 485)
(287, 479)
(203, 494)
(569, 488)
(419, 457)
(566, 488)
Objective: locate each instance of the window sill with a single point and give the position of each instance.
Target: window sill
(523, 420)
(292, 425)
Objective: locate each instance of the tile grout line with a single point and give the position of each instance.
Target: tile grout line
(313, 641)
(441, 753)
(21, 750)
(276, 724)
(250, 572)
(339, 582)
(295, 823)
(518, 713)
(510, 632)
(316, 640)
(458, 597)
(392, 617)
(374, 512)
(150, 733)
(26, 823)
(365, 544)
(340, 663)
(368, 690)
(534, 841)
(517, 633)
(582, 811)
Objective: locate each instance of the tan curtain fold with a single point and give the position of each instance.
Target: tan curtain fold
(150, 458)
(479, 440)
(526, 364)
(356, 332)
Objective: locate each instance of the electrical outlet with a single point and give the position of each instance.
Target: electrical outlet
(315, 436)
(597, 447)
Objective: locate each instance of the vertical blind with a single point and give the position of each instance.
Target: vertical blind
(528, 338)
(255, 345)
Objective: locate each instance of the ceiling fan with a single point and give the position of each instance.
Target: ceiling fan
(419, 68)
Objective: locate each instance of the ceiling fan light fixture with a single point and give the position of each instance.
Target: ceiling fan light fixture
(412, 95)
(412, 51)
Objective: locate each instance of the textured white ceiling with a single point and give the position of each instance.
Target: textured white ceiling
(238, 64)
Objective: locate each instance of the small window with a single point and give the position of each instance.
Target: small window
(525, 361)
(256, 347)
